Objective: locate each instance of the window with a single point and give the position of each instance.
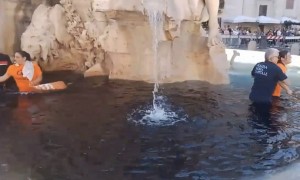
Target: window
(222, 4)
(263, 10)
(289, 4)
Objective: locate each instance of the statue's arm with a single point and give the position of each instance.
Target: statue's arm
(213, 8)
(213, 34)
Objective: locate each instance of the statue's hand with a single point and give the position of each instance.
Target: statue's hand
(215, 39)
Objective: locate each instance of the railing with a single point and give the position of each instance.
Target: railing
(242, 41)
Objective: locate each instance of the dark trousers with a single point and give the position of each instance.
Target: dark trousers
(262, 110)
(2, 87)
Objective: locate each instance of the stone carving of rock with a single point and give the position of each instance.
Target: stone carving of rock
(115, 38)
(39, 38)
(95, 70)
(60, 39)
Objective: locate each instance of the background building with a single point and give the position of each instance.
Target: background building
(255, 8)
(276, 9)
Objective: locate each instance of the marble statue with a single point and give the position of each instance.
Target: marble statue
(114, 38)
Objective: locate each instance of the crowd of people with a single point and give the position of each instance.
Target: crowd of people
(227, 30)
(275, 31)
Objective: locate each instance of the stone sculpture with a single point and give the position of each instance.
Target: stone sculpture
(114, 37)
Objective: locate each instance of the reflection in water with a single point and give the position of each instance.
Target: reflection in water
(23, 108)
(83, 133)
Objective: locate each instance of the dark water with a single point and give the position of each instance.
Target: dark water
(83, 133)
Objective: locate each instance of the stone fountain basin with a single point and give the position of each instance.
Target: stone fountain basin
(244, 63)
(253, 57)
(85, 127)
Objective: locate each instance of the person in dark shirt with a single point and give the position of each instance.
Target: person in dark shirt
(266, 76)
(4, 63)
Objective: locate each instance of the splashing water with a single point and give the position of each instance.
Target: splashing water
(161, 113)
(164, 115)
(156, 23)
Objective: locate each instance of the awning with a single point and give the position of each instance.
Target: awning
(267, 20)
(239, 19)
(287, 19)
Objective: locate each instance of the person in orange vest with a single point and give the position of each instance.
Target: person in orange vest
(17, 72)
(285, 58)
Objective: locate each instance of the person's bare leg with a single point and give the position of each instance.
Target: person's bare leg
(213, 34)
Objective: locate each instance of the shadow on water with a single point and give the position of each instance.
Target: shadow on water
(83, 133)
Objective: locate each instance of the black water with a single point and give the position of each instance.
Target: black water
(83, 133)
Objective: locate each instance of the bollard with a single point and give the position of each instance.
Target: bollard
(252, 45)
(263, 44)
(295, 49)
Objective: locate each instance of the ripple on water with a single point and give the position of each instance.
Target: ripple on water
(296, 138)
(287, 155)
(185, 174)
(164, 114)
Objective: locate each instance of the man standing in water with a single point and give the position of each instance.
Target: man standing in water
(4, 63)
(266, 76)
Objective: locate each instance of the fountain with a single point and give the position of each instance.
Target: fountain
(161, 113)
(145, 40)
(156, 19)
(186, 130)
(114, 38)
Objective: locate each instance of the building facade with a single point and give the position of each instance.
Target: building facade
(255, 8)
